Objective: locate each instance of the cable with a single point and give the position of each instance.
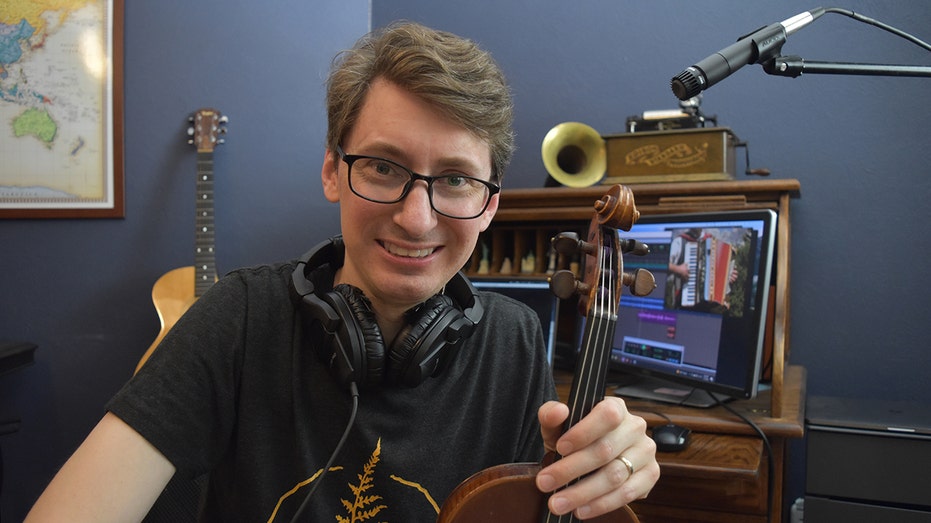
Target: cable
(770, 494)
(877, 23)
(354, 391)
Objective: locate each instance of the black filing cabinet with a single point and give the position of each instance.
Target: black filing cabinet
(868, 461)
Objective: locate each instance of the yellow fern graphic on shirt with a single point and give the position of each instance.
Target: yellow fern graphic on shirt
(363, 507)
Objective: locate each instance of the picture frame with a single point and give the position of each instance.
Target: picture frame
(62, 107)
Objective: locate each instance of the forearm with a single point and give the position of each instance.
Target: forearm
(115, 475)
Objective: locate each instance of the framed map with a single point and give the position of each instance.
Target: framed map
(61, 109)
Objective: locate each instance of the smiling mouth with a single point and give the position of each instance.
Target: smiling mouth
(408, 253)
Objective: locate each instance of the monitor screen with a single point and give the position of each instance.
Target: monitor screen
(700, 332)
(537, 295)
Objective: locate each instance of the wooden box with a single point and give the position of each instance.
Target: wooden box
(671, 156)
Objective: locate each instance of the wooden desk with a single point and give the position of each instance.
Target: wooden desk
(723, 475)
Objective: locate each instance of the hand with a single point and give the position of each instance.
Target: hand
(594, 445)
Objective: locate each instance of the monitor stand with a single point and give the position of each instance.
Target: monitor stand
(670, 392)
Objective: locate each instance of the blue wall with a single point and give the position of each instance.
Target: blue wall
(859, 146)
(80, 288)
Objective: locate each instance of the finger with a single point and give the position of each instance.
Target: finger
(605, 417)
(609, 489)
(628, 439)
(552, 416)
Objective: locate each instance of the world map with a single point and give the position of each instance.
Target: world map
(54, 103)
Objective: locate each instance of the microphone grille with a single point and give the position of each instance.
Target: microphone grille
(686, 84)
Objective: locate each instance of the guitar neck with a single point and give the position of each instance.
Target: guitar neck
(205, 266)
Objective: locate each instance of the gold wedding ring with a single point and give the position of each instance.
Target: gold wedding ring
(628, 464)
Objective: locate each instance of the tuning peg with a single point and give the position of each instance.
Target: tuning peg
(641, 282)
(224, 119)
(564, 285)
(190, 142)
(570, 243)
(635, 247)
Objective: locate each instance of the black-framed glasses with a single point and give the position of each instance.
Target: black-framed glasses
(454, 195)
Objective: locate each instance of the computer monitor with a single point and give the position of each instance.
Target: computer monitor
(698, 337)
(534, 293)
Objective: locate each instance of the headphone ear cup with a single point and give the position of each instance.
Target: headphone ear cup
(414, 355)
(358, 310)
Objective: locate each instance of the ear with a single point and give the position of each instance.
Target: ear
(489, 213)
(329, 175)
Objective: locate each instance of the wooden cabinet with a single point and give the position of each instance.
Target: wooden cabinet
(728, 472)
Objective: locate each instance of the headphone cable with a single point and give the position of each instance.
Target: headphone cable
(354, 391)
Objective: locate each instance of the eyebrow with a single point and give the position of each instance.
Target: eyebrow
(394, 153)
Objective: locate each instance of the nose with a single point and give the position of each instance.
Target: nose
(415, 214)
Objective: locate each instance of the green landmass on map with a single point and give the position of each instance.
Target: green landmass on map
(35, 122)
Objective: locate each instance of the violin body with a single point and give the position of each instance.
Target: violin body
(508, 493)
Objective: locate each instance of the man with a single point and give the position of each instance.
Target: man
(250, 388)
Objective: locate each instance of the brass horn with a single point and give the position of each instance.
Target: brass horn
(574, 154)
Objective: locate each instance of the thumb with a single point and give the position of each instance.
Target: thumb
(552, 416)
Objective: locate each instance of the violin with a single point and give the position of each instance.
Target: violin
(508, 492)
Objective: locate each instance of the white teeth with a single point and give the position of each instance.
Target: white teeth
(407, 253)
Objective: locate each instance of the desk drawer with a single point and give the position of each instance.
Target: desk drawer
(824, 509)
(865, 466)
(716, 472)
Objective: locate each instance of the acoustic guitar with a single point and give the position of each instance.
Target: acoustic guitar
(508, 492)
(177, 289)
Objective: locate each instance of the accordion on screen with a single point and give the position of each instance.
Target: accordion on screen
(711, 262)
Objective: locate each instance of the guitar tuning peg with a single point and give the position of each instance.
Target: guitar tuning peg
(190, 142)
(190, 118)
(221, 140)
(224, 119)
(190, 131)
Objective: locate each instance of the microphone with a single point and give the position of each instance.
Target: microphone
(757, 47)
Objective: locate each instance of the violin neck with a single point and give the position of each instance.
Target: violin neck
(588, 382)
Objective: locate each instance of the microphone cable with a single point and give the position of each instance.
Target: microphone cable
(354, 391)
(876, 23)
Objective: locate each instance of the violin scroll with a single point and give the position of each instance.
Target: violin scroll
(616, 209)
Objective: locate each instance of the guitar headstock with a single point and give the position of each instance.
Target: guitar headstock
(206, 127)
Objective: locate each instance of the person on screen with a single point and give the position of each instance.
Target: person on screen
(249, 389)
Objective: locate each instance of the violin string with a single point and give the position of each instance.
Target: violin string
(602, 317)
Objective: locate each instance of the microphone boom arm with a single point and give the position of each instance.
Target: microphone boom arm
(794, 66)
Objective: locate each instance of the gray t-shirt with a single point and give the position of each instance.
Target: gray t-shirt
(233, 393)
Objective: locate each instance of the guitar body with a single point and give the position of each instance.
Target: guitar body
(508, 493)
(172, 295)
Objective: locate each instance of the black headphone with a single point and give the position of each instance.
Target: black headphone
(340, 324)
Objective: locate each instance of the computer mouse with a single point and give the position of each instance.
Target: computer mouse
(671, 437)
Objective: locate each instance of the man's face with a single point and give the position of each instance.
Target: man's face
(402, 253)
